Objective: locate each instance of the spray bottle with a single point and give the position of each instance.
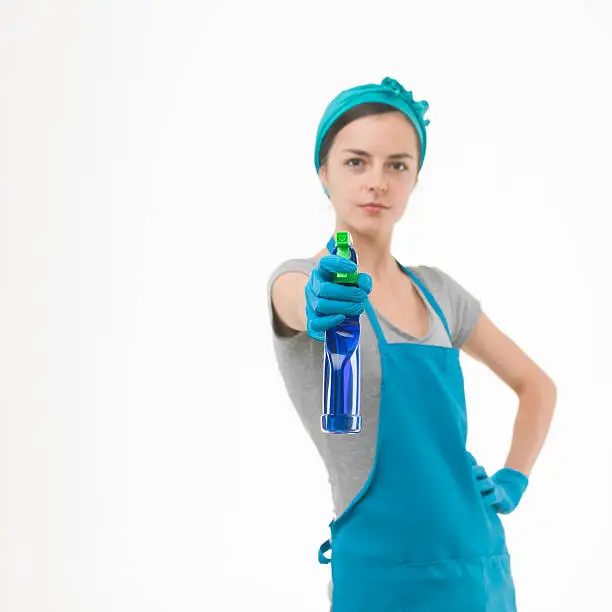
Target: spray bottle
(342, 363)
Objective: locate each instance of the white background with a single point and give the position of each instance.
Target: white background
(156, 164)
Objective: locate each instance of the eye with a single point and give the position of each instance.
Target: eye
(395, 164)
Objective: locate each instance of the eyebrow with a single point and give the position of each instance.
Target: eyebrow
(366, 154)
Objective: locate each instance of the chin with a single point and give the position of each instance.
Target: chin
(369, 228)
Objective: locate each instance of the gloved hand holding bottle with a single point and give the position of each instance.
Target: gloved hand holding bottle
(504, 490)
(327, 302)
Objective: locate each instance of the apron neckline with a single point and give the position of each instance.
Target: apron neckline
(428, 296)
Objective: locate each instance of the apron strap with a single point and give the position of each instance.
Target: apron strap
(323, 549)
(430, 298)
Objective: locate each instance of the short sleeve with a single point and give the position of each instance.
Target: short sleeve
(289, 265)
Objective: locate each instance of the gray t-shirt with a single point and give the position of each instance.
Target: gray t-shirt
(350, 458)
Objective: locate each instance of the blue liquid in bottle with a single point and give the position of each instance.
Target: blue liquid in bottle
(342, 368)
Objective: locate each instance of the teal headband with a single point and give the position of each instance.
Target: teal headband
(390, 92)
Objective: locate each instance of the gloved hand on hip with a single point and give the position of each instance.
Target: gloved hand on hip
(329, 303)
(504, 490)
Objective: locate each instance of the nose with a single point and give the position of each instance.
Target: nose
(377, 179)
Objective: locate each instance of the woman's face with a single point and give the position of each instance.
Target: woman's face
(366, 164)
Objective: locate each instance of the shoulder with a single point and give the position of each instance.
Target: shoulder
(428, 274)
(433, 274)
(296, 264)
(435, 278)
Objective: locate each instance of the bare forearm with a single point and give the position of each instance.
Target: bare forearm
(536, 407)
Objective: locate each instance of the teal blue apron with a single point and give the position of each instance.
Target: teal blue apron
(419, 537)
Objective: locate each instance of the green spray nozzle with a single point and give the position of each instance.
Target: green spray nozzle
(344, 243)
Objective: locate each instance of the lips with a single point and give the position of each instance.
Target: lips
(374, 204)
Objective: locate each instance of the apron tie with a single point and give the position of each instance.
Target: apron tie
(322, 550)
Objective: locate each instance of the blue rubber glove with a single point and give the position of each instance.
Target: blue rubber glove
(504, 490)
(328, 303)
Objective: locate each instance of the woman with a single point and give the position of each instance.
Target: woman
(417, 524)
